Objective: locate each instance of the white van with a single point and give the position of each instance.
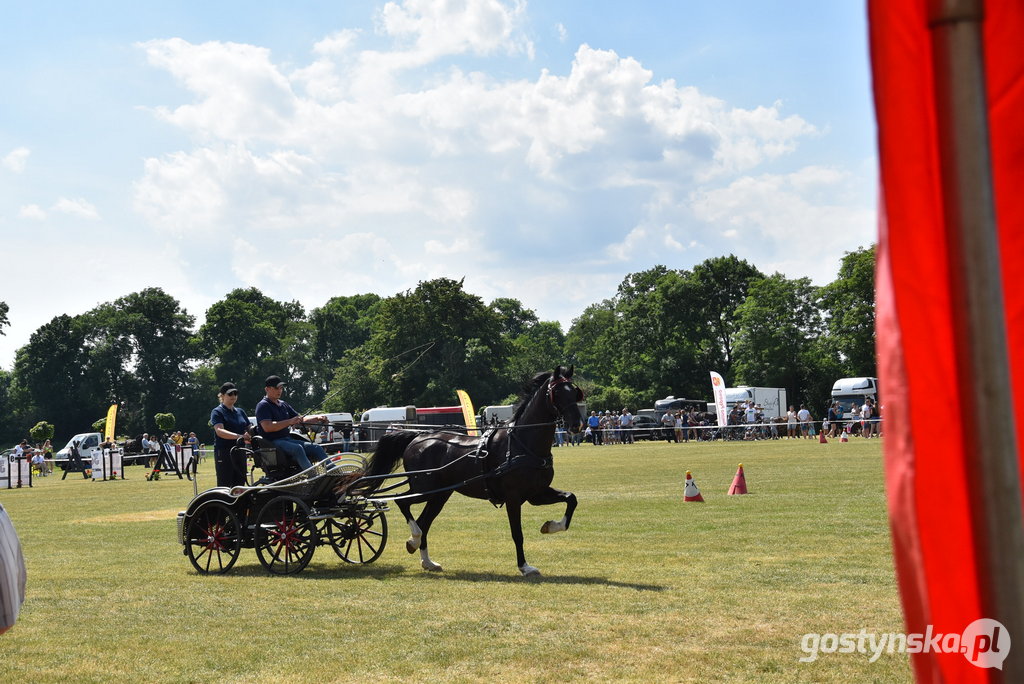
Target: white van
(497, 414)
(88, 444)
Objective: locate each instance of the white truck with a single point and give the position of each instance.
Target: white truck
(771, 399)
(88, 444)
(494, 415)
(850, 392)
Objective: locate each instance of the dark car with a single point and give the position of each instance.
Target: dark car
(645, 427)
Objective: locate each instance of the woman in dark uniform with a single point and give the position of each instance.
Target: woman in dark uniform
(229, 423)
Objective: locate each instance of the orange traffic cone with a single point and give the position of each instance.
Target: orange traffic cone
(691, 493)
(739, 482)
(821, 437)
(844, 437)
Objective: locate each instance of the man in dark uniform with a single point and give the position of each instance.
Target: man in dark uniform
(275, 417)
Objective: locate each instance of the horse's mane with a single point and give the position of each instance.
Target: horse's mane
(526, 393)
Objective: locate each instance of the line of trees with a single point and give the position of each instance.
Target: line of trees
(659, 335)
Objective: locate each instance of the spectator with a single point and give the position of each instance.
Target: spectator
(855, 425)
(48, 456)
(668, 425)
(346, 436)
(626, 426)
(804, 416)
(750, 414)
(12, 573)
(594, 429)
(791, 423)
(605, 428)
(23, 452)
(866, 413)
(559, 434)
(39, 463)
(193, 444)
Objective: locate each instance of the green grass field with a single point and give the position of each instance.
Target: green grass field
(643, 587)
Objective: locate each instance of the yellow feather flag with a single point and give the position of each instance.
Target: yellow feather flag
(467, 412)
(111, 421)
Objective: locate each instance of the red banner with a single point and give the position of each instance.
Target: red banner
(930, 425)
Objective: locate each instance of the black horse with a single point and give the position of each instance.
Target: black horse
(508, 466)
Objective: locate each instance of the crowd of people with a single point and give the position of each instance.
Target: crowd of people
(39, 455)
(745, 421)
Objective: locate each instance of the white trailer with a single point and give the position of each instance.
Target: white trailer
(771, 399)
(850, 392)
(493, 415)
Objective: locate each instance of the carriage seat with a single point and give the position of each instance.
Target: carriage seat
(274, 462)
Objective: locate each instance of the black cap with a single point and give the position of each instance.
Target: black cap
(274, 381)
(227, 386)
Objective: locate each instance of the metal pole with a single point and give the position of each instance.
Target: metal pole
(977, 301)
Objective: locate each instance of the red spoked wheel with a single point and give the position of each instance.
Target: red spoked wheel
(285, 537)
(213, 538)
(357, 536)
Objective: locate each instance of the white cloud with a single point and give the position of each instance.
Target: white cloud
(337, 43)
(32, 211)
(563, 33)
(367, 170)
(76, 207)
(801, 223)
(16, 159)
(436, 28)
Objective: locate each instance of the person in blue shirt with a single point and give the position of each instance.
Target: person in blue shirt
(275, 417)
(229, 423)
(594, 423)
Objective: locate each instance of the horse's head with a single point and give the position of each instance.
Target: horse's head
(564, 397)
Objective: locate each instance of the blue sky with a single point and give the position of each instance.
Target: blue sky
(541, 150)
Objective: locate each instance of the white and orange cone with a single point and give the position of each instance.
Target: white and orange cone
(691, 493)
(739, 482)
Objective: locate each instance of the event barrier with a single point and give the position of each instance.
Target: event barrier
(16, 471)
(108, 465)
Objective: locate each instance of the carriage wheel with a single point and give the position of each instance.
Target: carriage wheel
(359, 536)
(213, 538)
(285, 538)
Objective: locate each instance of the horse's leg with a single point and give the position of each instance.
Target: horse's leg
(552, 496)
(427, 515)
(514, 508)
(415, 533)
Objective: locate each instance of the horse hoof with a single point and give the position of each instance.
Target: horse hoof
(529, 571)
(431, 566)
(552, 526)
(410, 546)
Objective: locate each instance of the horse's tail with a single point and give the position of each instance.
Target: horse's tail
(388, 453)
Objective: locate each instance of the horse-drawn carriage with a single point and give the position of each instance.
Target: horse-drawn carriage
(285, 515)
(340, 502)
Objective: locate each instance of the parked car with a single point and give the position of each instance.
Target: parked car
(645, 427)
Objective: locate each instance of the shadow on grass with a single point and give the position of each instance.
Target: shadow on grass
(390, 571)
(376, 571)
(541, 579)
(318, 571)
